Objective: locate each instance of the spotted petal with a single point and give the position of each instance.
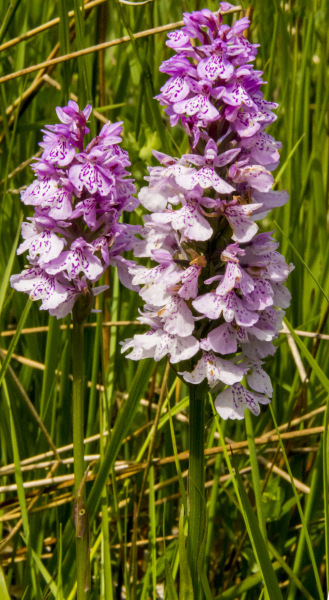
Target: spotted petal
(200, 106)
(246, 124)
(60, 204)
(238, 217)
(256, 176)
(43, 245)
(78, 259)
(215, 369)
(190, 279)
(91, 177)
(178, 39)
(233, 401)
(175, 89)
(177, 317)
(40, 191)
(40, 287)
(223, 339)
(192, 224)
(206, 177)
(259, 381)
(236, 95)
(232, 307)
(179, 348)
(214, 67)
(261, 296)
(57, 150)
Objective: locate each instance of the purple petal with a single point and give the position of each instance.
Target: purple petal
(91, 177)
(223, 339)
(175, 89)
(190, 221)
(41, 287)
(43, 246)
(200, 106)
(190, 279)
(261, 296)
(178, 39)
(40, 191)
(256, 176)
(236, 95)
(282, 296)
(78, 259)
(214, 67)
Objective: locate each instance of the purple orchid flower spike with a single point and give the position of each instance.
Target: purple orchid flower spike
(214, 295)
(79, 196)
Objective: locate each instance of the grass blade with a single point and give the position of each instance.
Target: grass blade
(186, 587)
(122, 424)
(301, 514)
(171, 593)
(4, 594)
(254, 532)
(9, 266)
(14, 340)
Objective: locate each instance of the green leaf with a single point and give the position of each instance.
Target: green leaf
(152, 521)
(45, 574)
(4, 594)
(9, 265)
(51, 363)
(292, 576)
(302, 261)
(206, 587)
(186, 586)
(256, 538)
(18, 471)
(258, 543)
(237, 591)
(171, 593)
(14, 340)
(326, 485)
(304, 520)
(7, 18)
(122, 424)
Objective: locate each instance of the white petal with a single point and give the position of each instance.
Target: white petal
(178, 317)
(260, 381)
(233, 401)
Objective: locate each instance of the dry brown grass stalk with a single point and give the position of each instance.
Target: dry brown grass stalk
(133, 468)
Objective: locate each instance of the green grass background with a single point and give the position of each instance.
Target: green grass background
(260, 523)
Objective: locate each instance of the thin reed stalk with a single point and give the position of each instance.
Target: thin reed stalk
(80, 518)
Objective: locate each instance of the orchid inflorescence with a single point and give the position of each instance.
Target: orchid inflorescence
(79, 195)
(214, 299)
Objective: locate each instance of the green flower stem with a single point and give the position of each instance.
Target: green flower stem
(196, 485)
(78, 437)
